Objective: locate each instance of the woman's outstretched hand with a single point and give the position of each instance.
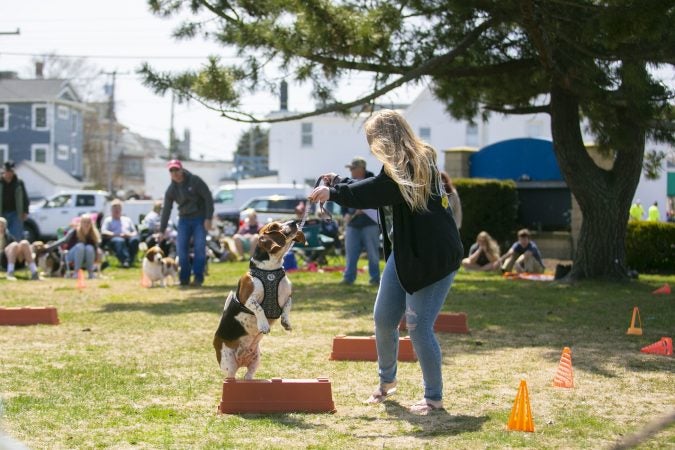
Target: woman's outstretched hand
(319, 194)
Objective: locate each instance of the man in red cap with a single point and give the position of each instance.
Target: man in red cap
(195, 210)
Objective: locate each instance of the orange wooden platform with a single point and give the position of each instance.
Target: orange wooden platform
(276, 396)
(363, 348)
(447, 323)
(29, 316)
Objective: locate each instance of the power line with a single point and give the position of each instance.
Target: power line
(114, 56)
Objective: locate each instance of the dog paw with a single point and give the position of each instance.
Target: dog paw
(286, 324)
(264, 328)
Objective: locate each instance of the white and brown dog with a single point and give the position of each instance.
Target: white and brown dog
(263, 295)
(158, 268)
(49, 263)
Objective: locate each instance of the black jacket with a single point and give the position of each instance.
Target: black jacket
(428, 246)
(193, 197)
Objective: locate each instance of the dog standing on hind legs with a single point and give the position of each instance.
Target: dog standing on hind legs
(263, 295)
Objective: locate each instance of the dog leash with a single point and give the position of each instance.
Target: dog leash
(323, 211)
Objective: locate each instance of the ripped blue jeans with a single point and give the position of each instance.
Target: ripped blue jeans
(421, 309)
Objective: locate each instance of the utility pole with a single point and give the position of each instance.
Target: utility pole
(172, 133)
(111, 129)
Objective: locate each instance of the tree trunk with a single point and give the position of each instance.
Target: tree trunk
(604, 196)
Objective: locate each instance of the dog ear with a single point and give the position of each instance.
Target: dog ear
(300, 237)
(268, 244)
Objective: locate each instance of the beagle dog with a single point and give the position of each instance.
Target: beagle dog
(169, 270)
(49, 262)
(263, 295)
(153, 267)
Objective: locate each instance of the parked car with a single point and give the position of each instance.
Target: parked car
(278, 207)
(229, 199)
(56, 212)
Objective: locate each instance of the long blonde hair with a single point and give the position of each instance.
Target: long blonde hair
(92, 235)
(408, 160)
(492, 247)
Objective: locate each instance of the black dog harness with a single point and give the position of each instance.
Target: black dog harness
(270, 280)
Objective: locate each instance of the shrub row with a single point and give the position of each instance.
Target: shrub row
(650, 246)
(487, 205)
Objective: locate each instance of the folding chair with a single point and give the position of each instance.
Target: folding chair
(317, 247)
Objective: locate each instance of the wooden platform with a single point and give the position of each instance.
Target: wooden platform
(276, 396)
(29, 316)
(363, 348)
(447, 323)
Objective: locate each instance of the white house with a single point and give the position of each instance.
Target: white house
(157, 175)
(301, 150)
(45, 180)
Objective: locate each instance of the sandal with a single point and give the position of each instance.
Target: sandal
(382, 392)
(425, 406)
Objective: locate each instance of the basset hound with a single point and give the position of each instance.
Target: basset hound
(263, 295)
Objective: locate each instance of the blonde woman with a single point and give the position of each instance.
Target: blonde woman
(421, 243)
(15, 255)
(483, 254)
(82, 243)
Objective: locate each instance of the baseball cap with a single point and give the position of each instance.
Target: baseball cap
(175, 164)
(9, 165)
(357, 162)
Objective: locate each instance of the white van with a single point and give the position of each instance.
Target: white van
(229, 198)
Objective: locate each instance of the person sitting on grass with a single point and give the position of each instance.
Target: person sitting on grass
(15, 255)
(483, 254)
(82, 243)
(523, 256)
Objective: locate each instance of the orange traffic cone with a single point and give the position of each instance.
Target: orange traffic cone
(661, 347)
(145, 281)
(564, 376)
(665, 290)
(80, 279)
(636, 331)
(521, 414)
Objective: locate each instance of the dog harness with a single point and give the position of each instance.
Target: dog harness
(270, 280)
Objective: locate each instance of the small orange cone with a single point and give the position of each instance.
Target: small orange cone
(664, 290)
(636, 331)
(661, 347)
(564, 376)
(521, 413)
(80, 279)
(145, 281)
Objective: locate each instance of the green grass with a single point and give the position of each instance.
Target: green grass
(130, 367)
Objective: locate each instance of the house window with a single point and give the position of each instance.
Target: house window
(39, 152)
(425, 133)
(63, 112)
(306, 137)
(40, 117)
(73, 125)
(4, 118)
(62, 152)
(4, 153)
(472, 134)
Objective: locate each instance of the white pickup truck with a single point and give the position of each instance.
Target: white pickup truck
(57, 212)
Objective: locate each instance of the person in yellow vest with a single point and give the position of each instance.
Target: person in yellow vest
(653, 214)
(636, 211)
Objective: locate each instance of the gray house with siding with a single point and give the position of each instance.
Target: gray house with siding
(41, 121)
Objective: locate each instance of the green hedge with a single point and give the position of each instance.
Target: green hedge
(650, 246)
(487, 205)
